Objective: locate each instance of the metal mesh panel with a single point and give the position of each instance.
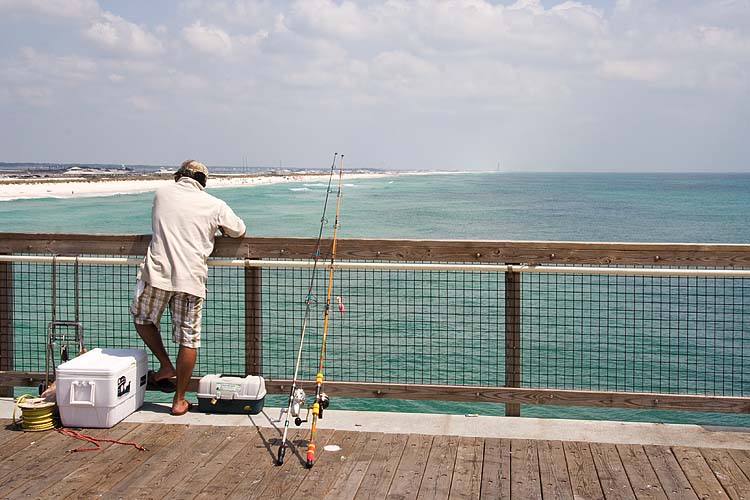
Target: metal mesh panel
(105, 293)
(399, 326)
(682, 335)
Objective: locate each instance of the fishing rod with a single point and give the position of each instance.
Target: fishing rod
(321, 400)
(296, 393)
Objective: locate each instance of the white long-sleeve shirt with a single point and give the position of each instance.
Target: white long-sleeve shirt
(184, 221)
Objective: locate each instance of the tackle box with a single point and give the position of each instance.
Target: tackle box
(101, 387)
(231, 394)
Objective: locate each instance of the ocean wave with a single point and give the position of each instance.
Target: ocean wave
(300, 189)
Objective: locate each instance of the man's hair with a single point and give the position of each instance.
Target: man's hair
(193, 169)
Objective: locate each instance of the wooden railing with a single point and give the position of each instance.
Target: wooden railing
(517, 253)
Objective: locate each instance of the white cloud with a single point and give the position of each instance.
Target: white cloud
(402, 71)
(208, 39)
(105, 29)
(140, 103)
(460, 62)
(38, 66)
(344, 20)
(580, 17)
(116, 34)
(61, 9)
(728, 40)
(40, 79)
(252, 14)
(633, 69)
(36, 96)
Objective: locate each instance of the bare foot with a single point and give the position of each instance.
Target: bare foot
(181, 407)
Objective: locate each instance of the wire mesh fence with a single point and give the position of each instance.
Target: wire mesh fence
(677, 335)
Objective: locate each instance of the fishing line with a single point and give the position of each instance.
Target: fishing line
(321, 400)
(296, 394)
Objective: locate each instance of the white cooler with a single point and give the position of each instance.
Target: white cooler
(101, 387)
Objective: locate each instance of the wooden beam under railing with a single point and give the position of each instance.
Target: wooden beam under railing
(480, 394)
(480, 251)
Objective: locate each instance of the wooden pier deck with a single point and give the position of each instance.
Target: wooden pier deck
(204, 461)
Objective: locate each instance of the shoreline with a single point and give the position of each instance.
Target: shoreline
(12, 189)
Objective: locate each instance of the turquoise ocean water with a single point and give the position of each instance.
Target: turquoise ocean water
(579, 207)
(710, 208)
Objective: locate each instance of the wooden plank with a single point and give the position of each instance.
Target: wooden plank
(68, 477)
(82, 482)
(496, 474)
(349, 479)
(604, 399)
(672, 479)
(74, 244)
(512, 338)
(499, 251)
(288, 478)
(729, 474)
(253, 321)
(612, 476)
(327, 467)
(583, 478)
(421, 392)
(42, 468)
(467, 475)
(120, 467)
(26, 447)
(553, 470)
(214, 465)
(184, 466)
(379, 474)
(524, 466)
(6, 323)
(697, 471)
(642, 477)
(9, 432)
(150, 476)
(292, 468)
(742, 459)
(249, 467)
(438, 474)
(411, 468)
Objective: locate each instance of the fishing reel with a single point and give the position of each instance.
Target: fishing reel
(298, 400)
(324, 402)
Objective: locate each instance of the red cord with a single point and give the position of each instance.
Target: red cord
(95, 441)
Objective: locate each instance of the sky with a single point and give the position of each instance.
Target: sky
(518, 85)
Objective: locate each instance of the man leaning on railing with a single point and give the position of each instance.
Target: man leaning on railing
(184, 221)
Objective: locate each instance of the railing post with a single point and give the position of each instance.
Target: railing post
(6, 322)
(253, 321)
(512, 337)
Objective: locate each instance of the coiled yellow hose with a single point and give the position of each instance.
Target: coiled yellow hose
(37, 414)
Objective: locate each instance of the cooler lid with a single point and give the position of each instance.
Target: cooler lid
(102, 362)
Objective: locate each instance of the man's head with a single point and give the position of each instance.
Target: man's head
(193, 169)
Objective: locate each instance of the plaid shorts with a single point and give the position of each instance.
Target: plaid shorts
(149, 304)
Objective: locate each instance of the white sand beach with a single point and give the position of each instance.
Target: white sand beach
(11, 189)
